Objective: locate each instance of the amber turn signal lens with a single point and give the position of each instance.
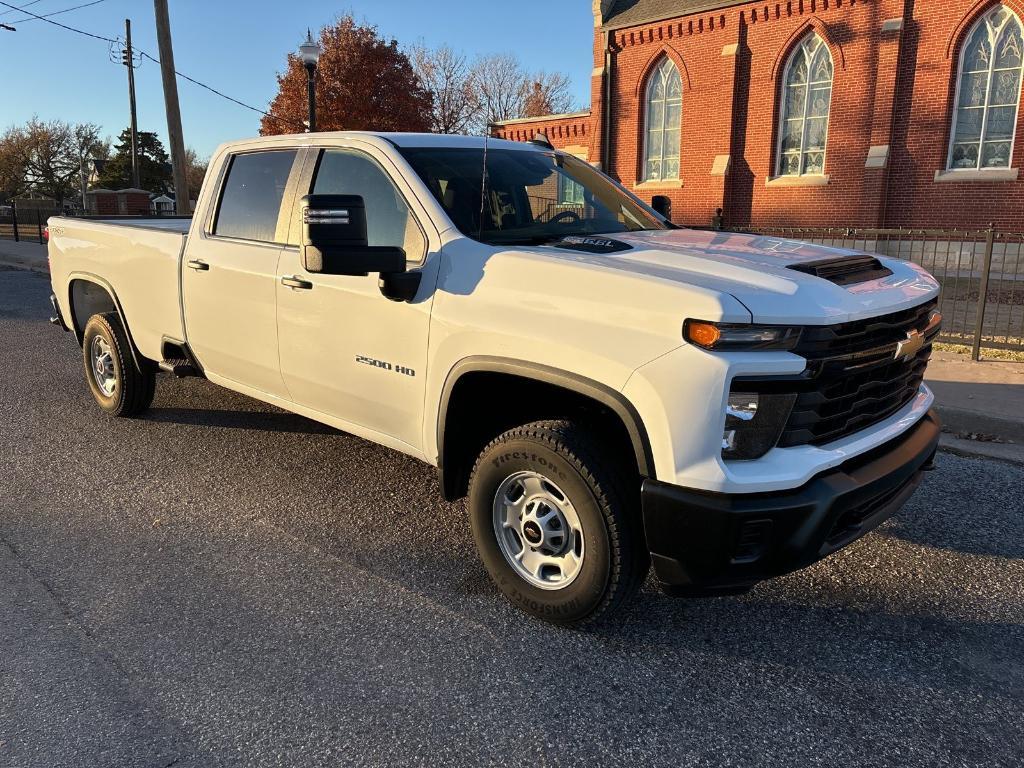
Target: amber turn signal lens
(704, 334)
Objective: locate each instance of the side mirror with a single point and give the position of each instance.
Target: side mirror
(334, 239)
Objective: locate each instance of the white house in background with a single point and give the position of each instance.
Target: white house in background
(162, 205)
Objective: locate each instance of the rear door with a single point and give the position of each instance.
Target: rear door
(229, 279)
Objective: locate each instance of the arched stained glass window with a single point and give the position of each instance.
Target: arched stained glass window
(664, 106)
(806, 100)
(988, 93)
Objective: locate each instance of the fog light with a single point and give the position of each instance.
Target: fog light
(753, 423)
(742, 407)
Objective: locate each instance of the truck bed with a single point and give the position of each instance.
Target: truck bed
(161, 223)
(139, 262)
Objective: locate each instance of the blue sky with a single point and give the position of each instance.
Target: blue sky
(238, 47)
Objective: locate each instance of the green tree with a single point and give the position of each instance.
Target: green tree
(154, 164)
(13, 163)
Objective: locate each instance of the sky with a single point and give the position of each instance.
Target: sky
(239, 46)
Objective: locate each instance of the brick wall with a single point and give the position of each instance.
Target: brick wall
(932, 45)
(572, 133)
(889, 123)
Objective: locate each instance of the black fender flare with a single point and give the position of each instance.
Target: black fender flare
(612, 399)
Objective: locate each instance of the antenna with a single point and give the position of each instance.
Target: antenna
(483, 176)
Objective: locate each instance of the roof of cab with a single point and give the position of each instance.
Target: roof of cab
(443, 140)
(396, 139)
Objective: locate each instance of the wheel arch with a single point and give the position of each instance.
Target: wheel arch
(568, 387)
(88, 295)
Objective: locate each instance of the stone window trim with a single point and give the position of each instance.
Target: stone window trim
(983, 176)
(790, 182)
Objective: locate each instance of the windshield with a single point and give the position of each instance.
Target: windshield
(532, 197)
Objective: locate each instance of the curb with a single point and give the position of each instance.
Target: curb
(975, 449)
(15, 263)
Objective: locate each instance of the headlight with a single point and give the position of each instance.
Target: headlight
(753, 423)
(734, 336)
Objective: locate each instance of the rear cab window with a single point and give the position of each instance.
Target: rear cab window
(251, 197)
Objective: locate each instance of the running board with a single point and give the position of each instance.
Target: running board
(180, 368)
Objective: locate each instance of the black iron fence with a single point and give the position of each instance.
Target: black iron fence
(28, 224)
(981, 272)
(25, 224)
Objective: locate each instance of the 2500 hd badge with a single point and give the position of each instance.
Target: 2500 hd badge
(384, 365)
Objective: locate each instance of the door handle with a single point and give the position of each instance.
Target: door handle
(296, 282)
(198, 264)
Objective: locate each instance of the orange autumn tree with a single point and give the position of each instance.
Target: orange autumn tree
(362, 83)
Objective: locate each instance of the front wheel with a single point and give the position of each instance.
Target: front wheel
(555, 523)
(118, 385)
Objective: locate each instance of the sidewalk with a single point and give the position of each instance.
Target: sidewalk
(24, 255)
(981, 404)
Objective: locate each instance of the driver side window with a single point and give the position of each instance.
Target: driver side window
(389, 222)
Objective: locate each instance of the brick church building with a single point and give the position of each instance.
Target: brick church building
(867, 113)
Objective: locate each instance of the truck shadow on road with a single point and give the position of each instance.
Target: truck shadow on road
(262, 421)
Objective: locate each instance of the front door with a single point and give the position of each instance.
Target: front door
(346, 350)
(229, 279)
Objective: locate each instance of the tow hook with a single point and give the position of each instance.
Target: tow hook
(929, 465)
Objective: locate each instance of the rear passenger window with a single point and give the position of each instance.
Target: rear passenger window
(251, 200)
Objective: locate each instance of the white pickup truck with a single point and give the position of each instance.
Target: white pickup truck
(611, 392)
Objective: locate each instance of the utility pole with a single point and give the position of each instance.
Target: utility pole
(182, 204)
(128, 61)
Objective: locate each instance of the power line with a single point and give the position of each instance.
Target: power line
(4, 13)
(283, 121)
(56, 13)
(57, 23)
(211, 89)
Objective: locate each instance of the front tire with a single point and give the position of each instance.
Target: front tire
(555, 523)
(117, 384)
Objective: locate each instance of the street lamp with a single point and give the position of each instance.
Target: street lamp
(309, 52)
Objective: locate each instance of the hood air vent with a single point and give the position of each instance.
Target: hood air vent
(845, 271)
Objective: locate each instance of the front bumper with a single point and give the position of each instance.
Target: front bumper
(702, 542)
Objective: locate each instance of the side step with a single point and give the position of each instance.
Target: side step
(179, 367)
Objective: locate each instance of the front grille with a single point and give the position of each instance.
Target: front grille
(853, 379)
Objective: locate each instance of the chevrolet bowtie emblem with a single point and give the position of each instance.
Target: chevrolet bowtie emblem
(910, 346)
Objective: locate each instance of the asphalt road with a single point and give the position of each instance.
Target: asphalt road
(221, 583)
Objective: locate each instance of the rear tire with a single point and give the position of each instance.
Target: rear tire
(556, 524)
(118, 385)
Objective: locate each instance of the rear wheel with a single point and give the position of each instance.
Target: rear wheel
(555, 523)
(118, 385)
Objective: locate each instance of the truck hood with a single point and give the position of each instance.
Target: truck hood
(756, 270)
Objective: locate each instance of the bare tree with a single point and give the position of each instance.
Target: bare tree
(498, 81)
(87, 145)
(547, 94)
(506, 91)
(448, 77)
(51, 161)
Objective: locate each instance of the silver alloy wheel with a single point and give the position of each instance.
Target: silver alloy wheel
(538, 530)
(103, 365)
